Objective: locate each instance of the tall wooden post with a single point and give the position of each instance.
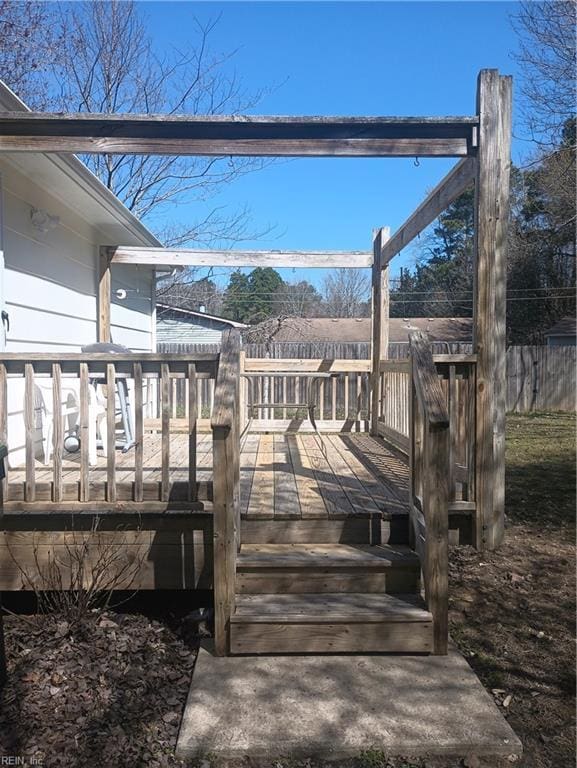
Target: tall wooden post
(489, 312)
(104, 291)
(380, 321)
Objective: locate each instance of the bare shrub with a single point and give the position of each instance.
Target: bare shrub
(85, 577)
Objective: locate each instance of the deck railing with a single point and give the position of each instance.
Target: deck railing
(429, 459)
(456, 375)
(226, 473)
(341, 395)
(49, 401)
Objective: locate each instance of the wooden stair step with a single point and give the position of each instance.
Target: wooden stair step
(330, 623)
(381, 528)
(325, 568)
(330, 607)
(274, 556)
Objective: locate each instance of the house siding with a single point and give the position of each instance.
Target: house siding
(50, 284)
(51, 278)
(173, 329)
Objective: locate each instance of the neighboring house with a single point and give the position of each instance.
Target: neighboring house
(344, 330)
(563, 333)
(54, 215)
(185, 326)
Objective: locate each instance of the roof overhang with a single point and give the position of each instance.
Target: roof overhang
(68, 179)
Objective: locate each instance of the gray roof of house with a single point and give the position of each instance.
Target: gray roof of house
(192, 315)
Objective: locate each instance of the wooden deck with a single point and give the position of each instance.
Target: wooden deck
(304, 476)
(283, 477)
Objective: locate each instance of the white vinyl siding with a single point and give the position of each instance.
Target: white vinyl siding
(173, 329)
(51, 278)
(50, 290)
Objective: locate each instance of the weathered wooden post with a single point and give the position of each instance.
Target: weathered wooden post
(104, 293)
(489, 312)
(226, 485)
(380, 321)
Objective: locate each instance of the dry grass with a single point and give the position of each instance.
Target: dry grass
(513, 611)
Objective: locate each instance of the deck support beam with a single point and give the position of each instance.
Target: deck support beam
(191, 257)
(489, 327)
(226, 135)
(104, 293)
(459, 179)
(380, 324)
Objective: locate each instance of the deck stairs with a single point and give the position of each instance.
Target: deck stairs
(331, 586)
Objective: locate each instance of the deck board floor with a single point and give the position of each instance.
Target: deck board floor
(284, 477)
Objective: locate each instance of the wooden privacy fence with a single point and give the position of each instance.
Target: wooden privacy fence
(539, 378)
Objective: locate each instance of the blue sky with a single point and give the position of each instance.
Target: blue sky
(345, 58)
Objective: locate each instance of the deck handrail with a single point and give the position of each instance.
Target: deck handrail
(226, 478)
(225, 401)
(15, 362)
(426, 382)
(429, 465)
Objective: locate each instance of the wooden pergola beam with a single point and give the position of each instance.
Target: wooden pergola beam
(460, 178)
(218, 135)
(189, 257)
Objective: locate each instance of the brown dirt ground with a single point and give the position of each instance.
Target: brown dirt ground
(513, 610)
(111, 692)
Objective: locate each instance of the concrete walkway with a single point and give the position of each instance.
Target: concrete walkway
(337, 706)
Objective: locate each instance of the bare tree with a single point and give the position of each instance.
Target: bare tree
(547, 59)
(108, 64)
(297, 300)
(346, 293)
(29, 45)
(199, 295)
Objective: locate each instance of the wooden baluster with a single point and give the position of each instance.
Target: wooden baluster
(242, 392)
(359, 401)
(411, 457)
(453, 431)
(84, 427)
(165, 445)
(418, 447)
(111, 433)
(297, 390)
(334, 383)
(322, 400)
(192, 416)
(30, 425)
(138, 433)
(57, 433)
(347, 393)
(471, 433)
